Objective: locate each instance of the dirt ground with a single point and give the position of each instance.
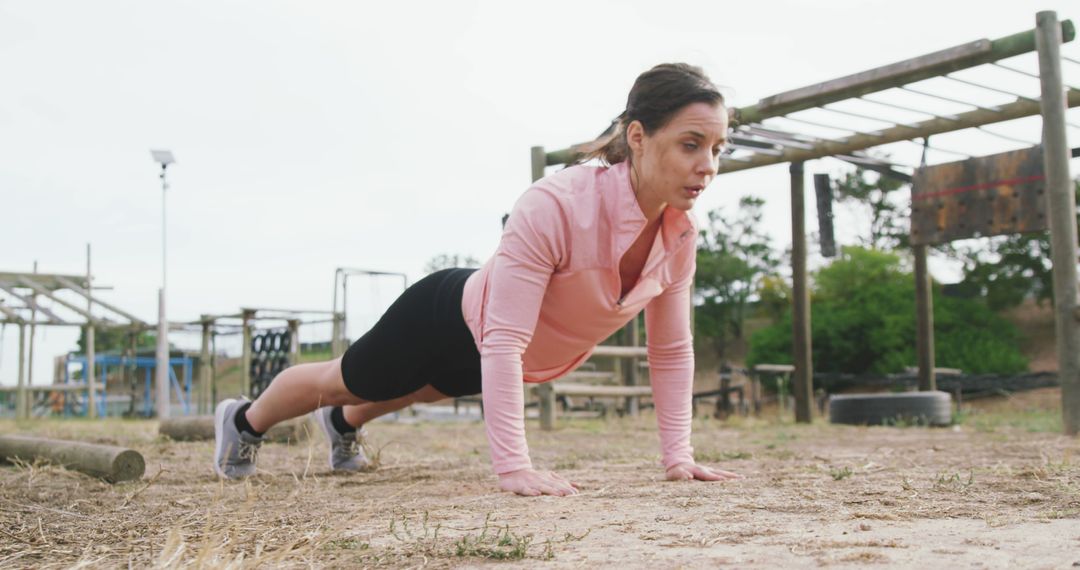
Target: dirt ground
(1001, 489)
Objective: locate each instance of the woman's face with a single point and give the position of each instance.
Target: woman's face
(674, 165)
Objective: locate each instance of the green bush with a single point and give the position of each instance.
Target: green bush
(863, 321)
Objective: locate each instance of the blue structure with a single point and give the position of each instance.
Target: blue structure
(148, 364)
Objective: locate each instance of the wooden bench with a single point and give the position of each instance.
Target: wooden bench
(551, 393)
(780, 373)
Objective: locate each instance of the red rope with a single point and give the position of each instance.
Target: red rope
(973, 187)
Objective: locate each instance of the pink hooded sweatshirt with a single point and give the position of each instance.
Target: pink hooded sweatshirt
(550, 293)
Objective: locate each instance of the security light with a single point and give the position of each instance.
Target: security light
(164, 157)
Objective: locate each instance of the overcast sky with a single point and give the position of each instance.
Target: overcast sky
(314, 135)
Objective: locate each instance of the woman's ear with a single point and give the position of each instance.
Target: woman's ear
(635, 136)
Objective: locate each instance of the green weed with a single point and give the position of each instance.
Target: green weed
(841, 473)
(953, 481)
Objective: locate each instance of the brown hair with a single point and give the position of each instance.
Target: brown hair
(657, 95)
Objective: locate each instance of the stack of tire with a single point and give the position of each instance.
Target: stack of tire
(269, 356)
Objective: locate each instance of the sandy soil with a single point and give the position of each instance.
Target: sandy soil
(982, 494)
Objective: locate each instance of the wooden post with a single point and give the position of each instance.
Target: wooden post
(21, 408)
(630, 375)
(204, 366)
(245, 359)
(33, 330)
(924, 302)
(804, 374)
(337, 347)
(88, 373)
(545, 392)
(539, 162)
(201, 428)
(294, 342)
(91, 357)
(213, 369)
(111, 463)
(1061, 206)
(129, 370)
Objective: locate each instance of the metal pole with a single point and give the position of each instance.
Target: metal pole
(161, 376)
(21, 411)
(804, 375)
(91, 356)
(1061, 205)
(161, 358)
(924, 341)
(164, 187)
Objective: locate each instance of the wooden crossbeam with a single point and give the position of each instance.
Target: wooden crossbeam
(971, 119)
(46, 293)
(30, 303)
(78, 289)
(898, 74)
(620, 351)
(10, 314)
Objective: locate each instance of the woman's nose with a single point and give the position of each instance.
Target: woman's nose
(708, 166)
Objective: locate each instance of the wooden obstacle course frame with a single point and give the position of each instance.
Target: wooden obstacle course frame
(767, 145)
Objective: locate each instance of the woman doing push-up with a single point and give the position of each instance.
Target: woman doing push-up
(583, 252)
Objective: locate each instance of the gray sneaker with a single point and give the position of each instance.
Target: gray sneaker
(346, 451)
(235, 451)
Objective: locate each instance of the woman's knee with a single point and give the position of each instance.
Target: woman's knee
(332, 385)
(428, 394)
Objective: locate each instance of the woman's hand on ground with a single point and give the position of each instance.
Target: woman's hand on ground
(690, 471)
(532, 483)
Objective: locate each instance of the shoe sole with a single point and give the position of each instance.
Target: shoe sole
(219, 429)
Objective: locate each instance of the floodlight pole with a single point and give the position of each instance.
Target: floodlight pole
(161, 372)
(1061, 208)
(91, 356)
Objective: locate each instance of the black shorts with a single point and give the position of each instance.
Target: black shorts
(421, 339)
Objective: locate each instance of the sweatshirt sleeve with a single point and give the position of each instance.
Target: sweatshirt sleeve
(532, 247)
(671, 362)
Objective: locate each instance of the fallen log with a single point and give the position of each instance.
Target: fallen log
(113, 464)
(201, 428)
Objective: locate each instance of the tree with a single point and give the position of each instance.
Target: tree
(1005, 270)
(875, 194)
(733, 257)
(446, 261)
(117, 339)
(1001, 270)
(864, 322)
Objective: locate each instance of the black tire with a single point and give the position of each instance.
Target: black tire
(275, 341)
(921, 408)
(257, 343)
(286, 342)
